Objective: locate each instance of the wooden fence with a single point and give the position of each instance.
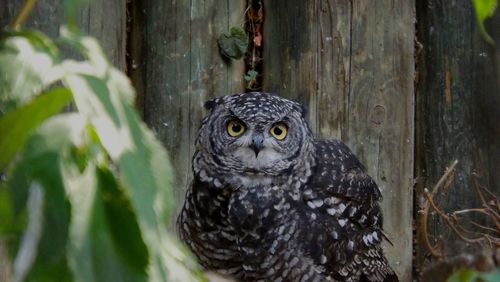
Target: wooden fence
(408, 85)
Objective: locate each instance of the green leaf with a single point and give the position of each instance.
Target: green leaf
(484, 9)
(492, 276)
(17, 125)
(104, 97)
(12, 223)
(37, 39)
(251, 74)
(105, 178)
(94, 253)
(97, 65)
(27, 66)
(6, 209)
(463, 275)
(89, 47)
(122, 223)
(41, 161)
(143, 164)
(471, 275)
(234, 45)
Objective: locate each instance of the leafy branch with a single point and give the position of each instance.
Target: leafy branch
(84, 195)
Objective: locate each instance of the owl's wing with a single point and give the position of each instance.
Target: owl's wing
(343, 204)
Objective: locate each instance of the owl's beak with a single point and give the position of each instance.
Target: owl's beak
(257, 143)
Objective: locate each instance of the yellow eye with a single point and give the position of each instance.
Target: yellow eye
(235, 128)
(279, 131)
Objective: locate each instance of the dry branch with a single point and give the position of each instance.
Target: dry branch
(484, 236)
(424, 212)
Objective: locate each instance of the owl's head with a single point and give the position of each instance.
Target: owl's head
(252, 137)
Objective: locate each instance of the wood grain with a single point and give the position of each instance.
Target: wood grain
(458, 102)
(351, 63)
(180, 67)
(103, 19)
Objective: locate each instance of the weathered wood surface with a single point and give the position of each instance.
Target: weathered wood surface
(458, 107)
(351, 63)
(180, 67)
(103, 19)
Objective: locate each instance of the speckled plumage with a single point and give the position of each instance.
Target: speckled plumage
(298, 209)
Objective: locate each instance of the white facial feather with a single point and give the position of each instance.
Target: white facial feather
(266, 157)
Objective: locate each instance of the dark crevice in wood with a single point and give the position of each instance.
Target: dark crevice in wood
(348, 102)
(419, 164)
(254, 26)
(134, 51)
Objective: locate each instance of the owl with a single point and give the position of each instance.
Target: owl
(269, 202)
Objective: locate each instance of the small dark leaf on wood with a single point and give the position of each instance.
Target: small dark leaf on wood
(251, 74)
(235, 45)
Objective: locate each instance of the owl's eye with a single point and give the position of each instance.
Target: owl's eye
(235, 128)
(279, 131)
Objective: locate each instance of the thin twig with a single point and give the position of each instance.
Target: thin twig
(423, 215)
(487, 190)
(444, 178)
(483, 235)
(23, 14)
(478, 240)
(485, 204)
(478, 210)
(466, 232)
(485, 227)
(424, 212)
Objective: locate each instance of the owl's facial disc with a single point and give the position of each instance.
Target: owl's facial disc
(252, 136)
(259, 150)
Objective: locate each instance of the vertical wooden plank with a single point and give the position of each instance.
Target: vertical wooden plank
(306, 57)
(181, 67)
(103, 19)
(333, 69)
(351, 63)
(289, 49)
(381, 113)
(458, 99)
(107, 21)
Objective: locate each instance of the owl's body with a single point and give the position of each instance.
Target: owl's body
(268, 202)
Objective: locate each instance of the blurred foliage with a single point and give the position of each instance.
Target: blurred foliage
(484, 10)
(469, 275)
(84, 195)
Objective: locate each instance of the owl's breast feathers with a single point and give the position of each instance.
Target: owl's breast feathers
(324, 229)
